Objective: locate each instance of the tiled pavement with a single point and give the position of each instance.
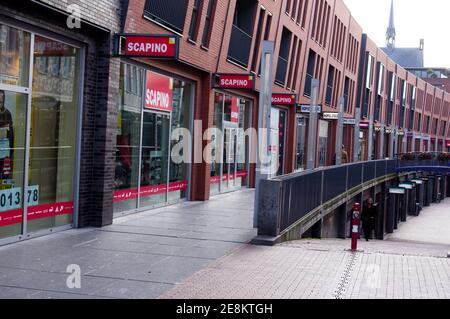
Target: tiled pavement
(140, 256)
(199, 250)
(399, 268)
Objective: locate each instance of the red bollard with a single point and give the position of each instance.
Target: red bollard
(355, 226)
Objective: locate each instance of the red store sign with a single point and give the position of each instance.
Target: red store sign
(234, 81)
(284, 99)
(150, 46)
(158, 92)
(448, 143)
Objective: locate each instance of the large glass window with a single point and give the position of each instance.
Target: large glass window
(54, 110)
(46, 186)
(151, 168)
(128, 138)
(230, 143)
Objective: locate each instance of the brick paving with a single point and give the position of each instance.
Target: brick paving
(398, 268)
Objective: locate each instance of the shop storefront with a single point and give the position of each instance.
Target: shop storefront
(152, 159)
(301, 145)
(231, 140)
(40, 106)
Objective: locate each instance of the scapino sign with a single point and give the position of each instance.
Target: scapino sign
(149, 46)
(234, 81)
(284, 99)
(158, 92)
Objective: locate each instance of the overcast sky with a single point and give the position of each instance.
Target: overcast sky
(414, 19)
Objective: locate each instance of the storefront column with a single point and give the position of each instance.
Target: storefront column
(98, 144)
(204, 112)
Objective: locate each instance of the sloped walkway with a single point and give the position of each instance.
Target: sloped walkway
(140, 256)
(412, 264)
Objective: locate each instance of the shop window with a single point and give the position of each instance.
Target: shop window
(149, 170)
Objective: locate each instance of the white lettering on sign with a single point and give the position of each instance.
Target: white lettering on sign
(231, 82)
(147, 47)
(284, 100)
(157, 99)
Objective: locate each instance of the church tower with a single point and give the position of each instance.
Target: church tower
(390, 33)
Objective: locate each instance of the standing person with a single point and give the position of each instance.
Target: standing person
(344, 155)
(368, 218)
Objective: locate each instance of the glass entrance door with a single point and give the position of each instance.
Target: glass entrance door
(230, 147)
(230, 160)
(155, 159)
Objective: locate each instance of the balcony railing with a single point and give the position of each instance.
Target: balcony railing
(240, 45)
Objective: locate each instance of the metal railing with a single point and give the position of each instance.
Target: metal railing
(288, 199)
(425, 161)
(240, 45)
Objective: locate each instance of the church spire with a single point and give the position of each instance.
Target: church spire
(390, 33)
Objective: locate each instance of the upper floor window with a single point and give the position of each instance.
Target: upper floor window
(193, 29)
(209, 21)
(171, 14)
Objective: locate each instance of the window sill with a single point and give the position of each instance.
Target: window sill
(204, 48)
(189, 40)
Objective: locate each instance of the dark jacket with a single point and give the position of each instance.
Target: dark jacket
(368, 216)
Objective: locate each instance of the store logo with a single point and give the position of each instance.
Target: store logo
(74, 19)
(74, 279)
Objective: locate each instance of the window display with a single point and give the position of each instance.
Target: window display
(49, 179)
(230, 147)
(146, 173)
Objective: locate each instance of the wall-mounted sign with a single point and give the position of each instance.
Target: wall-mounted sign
(306, 108)
(148, 45)
(400, 191)
(330, 116)
(234, 81)
(417, 181)
(284, 99)
(349, 121)
(364, 124)
(158, 92)
(406, 186)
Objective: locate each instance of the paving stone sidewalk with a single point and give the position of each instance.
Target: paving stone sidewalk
(139, 256)
(413, 263)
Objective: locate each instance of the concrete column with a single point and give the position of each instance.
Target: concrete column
(390, 217)
(379, 230)
(381, 150)
(370, 137)
(356, 144)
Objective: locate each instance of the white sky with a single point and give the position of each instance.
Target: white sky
(414, 19)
